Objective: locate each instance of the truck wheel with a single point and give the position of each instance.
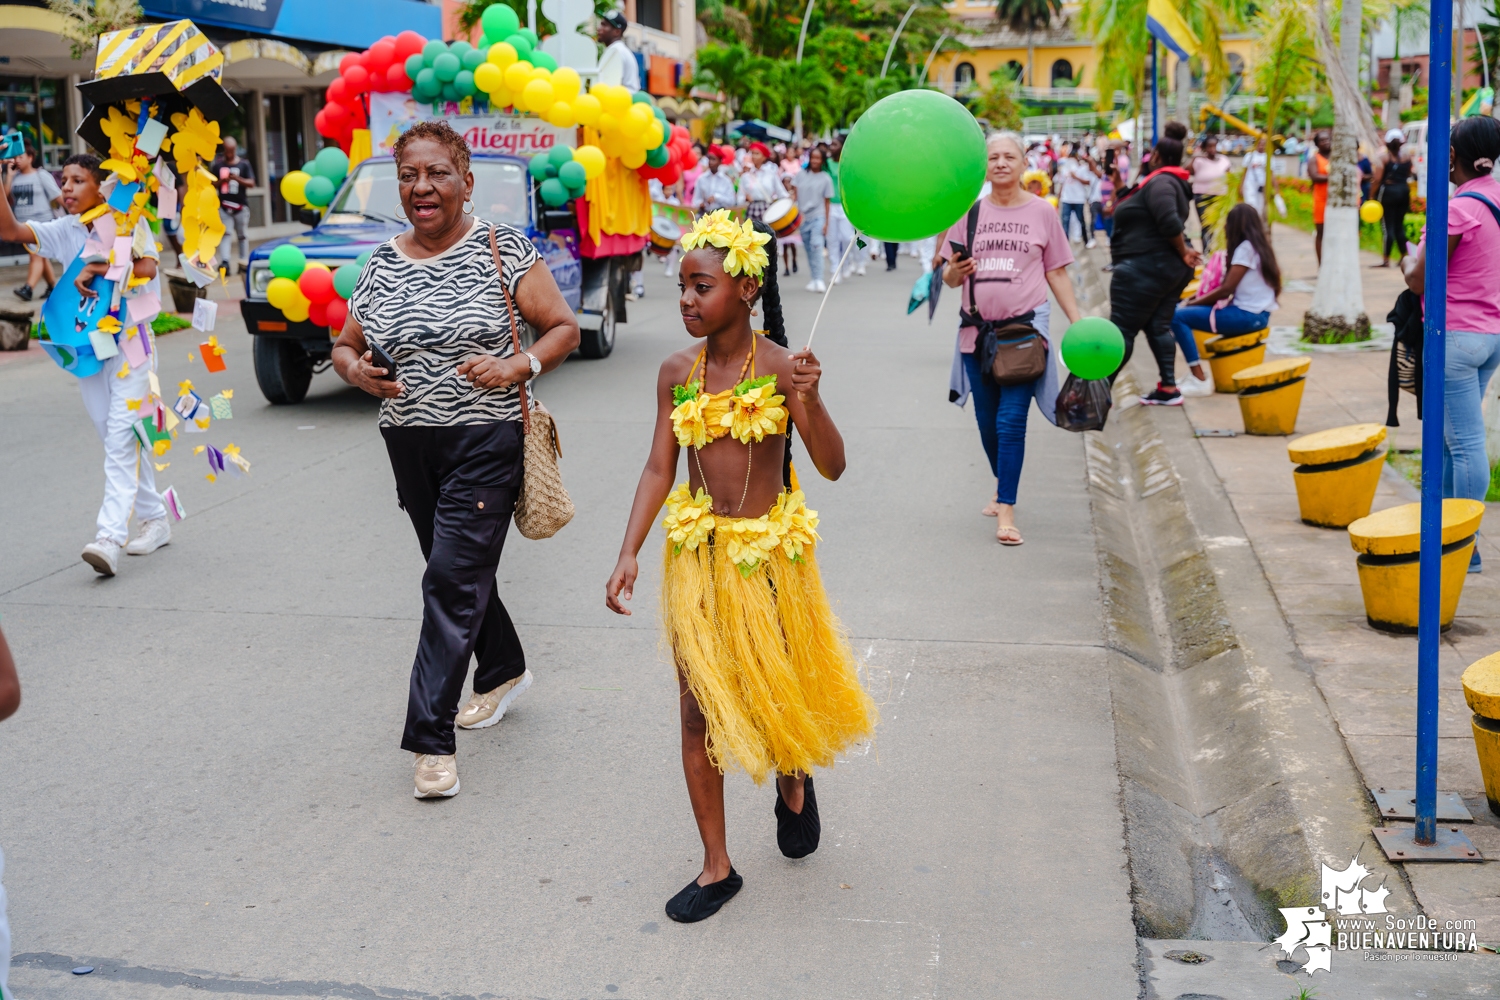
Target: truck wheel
(283, 370)
(599, 343)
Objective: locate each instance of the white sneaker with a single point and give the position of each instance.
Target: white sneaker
(1091, 244)
(150, 536)
(860, 270)
(822, 287)
(812, 286)
(1192, 385)
(103, 554)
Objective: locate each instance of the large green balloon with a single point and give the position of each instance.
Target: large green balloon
(319, 191)
(558, 155)
(573, 176)
(288, 261)
(446, 66)
(450, 92)
(433, 49)
(1093, 348)
(540, 167)
(658, 157)
(414, 65)
(529, 35)
(911, 167)
(474, 58)
(542, 60)
(363, 259)
(522, 45)
(553, 192)
(499, 20)
(331, 162)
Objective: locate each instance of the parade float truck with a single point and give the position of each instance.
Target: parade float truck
(592, 271)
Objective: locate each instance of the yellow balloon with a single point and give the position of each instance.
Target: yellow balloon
(501, 97)
(297, 311)
(517, 75)
(586, 109)
(502, 54)
(654, 136)
(565, 81)
(1370, 211)
(616, 100)
(633, 157)
(541, 73)
(612, 145)
(607, 124)
(281, 292)
(591, 158)
(636, 121)
(537, 95)
(561, 115)
(489, 78)
(293, 185)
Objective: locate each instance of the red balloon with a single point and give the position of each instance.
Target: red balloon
(338, 92)
(335, 116)
(678, 132)
(409, 43)
(357, 79)
(337, 310)
(396, 80)
(317, 284)
(358, 118)
(380, 57)
(690, 159)
(317, 313)
(670, 174)
(320, 122)
(350, 59)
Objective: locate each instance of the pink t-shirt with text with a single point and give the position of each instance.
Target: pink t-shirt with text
(1015, 248)
(1473, 294)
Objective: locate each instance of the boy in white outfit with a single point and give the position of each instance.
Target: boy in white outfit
(129, 476)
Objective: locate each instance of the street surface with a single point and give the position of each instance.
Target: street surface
(206, 788)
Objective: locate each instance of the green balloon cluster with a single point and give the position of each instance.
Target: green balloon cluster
(288, 262)
(559, 177)
(444, 71)
(1092, 348)
(912, 165)
(500, 23)
(325, 172)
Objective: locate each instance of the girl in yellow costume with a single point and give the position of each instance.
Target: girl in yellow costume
(767, 678)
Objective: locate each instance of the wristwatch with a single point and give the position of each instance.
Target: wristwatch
(536, 366)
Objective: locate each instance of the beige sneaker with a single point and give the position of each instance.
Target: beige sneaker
(489, 708)
(437, 776)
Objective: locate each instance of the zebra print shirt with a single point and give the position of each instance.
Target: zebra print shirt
(432, 314)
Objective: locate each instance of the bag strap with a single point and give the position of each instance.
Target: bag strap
(972, 224)
(1494, 210)
(515, 345)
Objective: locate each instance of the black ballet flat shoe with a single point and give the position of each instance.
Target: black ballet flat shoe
(797, 833)
(699, 902)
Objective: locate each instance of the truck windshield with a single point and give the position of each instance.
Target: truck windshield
(372, 193)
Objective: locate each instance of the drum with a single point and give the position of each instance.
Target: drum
(664, 236)
(781, 215)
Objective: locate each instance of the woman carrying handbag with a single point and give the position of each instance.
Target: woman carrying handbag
(439, 302)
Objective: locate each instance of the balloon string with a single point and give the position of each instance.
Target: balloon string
(829, 291)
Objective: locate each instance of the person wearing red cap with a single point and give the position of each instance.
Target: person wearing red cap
(761, 184)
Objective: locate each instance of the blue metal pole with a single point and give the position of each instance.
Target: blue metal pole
(1435, 321)
(1153, 91)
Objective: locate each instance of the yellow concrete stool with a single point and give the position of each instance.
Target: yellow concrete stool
(1201, 338)
(1337, 472)
(1270, 395)
(1482, 691)
(1388, 541)
(1227, 355)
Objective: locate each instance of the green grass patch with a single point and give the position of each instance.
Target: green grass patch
(1409, 464)
(167, 323)
(1371, 234)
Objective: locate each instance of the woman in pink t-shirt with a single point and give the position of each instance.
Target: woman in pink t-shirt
(1019, 250)
(1473, 327)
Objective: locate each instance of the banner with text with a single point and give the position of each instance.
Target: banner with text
(485, 131)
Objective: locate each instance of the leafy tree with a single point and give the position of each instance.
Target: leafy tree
(470, 13)
(85, 22)
(1026, 17)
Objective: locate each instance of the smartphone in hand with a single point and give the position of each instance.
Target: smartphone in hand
(960, 252)
(380, 359)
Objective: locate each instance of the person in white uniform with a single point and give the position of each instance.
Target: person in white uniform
(129, 476)
(617, 65)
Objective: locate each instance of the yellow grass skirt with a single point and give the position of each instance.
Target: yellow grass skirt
(751, 628)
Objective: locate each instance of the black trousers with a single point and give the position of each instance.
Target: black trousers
(1396, 205)
(1143, 295)
(459, 487)
(891, 249)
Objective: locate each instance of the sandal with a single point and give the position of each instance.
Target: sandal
(991, 509)
(1009, 534)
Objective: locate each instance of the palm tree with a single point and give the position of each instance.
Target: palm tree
(1286, 64)
(736, 72)
(1027, 16)
(84, 23)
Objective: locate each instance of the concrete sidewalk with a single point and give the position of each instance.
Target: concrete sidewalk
(1368, 678)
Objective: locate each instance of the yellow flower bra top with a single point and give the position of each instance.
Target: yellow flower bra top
(747, 412)
(788, 526)
(745, 249)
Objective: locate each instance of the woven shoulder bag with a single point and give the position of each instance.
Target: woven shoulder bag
(544, 505)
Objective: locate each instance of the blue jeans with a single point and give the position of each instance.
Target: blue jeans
(1069, 209)
(1001, 411)
(1102, 221)
(812, 238)
(1471, 358)
(1231, 322)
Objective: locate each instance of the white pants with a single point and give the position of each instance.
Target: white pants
(129, 476)
(925, 250)
(840, 235)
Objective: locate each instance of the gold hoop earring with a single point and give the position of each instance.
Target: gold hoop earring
(470, 209)
(399, 215)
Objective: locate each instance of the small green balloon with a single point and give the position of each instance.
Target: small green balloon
(658, 157)
(572, 175)
(464, 84)
(539, 166)
(1093, 348)
(363, 259)
(446, 66)
(553, 192)
(331, 162)
(414, 65)
(543, 60)
(310, 167)
(522, 45)
(432, 50)
(450, 92)
(319, 191)
(529, 35)
(459, 46)
(641, 97)
(344, 279)
(426, 84)
(912, 165)
(474, 58)
(288, 261)
(559, 155)
(499, 20)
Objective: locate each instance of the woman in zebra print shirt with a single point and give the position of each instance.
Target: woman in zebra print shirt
(433, 300)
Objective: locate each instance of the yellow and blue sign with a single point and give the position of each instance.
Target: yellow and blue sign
(1166, 25)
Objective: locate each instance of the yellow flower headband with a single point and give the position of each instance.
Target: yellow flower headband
(746, 247)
